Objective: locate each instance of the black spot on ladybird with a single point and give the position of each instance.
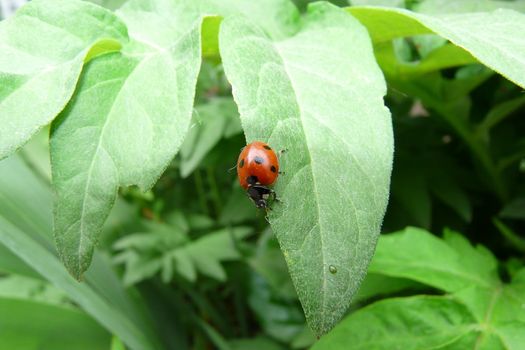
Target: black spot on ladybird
(267, 147)
(241, 163)
(258, 160)
(273, 169)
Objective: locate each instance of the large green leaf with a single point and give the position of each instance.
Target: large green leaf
(26, 230)
(42, 50)
(318, 94)
(481, 312)
(488, 36)
(126, 121)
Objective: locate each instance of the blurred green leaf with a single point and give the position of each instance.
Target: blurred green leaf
(386, 3)
(336, 193)
(280, 318)
(238, 207)
(45, 67)
(465, 6)
(31, 325)
(511, 236)
(259, 343)
(498, 113)
(26, 288)
(444, 57)
(116, 344)
(164, 249)
(25, 229)
(211, 121)
(514, 209)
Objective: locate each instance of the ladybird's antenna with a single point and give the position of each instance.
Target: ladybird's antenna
(231, 169)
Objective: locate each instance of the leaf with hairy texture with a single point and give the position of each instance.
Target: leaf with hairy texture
(42, 50)
(126, 121)
(318, 94)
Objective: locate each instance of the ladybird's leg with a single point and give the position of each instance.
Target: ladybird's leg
(274, 196)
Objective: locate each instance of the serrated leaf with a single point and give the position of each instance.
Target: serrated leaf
(488, 36)
(448, 265)
(126, 121)
(42, 50)
(415, 323)
(318, 94)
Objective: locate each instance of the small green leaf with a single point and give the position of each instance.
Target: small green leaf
(318, 94)
(127, 120)
(42, 50)
(415, 323)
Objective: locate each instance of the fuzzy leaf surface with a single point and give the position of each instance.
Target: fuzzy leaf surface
(42, 50)
(124, 124)
(319, 95)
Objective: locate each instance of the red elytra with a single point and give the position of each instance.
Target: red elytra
(257, 165)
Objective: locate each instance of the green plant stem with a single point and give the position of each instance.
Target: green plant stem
(215, 195)
(448, 112)
(201, 194)
(513, 158)
(516, 241)
(479, 150)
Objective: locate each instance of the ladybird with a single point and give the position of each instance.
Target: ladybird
(258, 168)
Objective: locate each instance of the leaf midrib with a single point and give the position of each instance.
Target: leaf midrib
(102, 133)
(314, 185)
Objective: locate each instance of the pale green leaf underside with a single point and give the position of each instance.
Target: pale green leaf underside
(42, 51)
(124, 124)
(318, 95)
(494, 38)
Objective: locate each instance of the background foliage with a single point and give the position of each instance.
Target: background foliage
(189, 263)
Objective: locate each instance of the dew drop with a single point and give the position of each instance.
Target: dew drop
(332, 269)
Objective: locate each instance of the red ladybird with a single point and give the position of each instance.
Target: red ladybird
(257, 168)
